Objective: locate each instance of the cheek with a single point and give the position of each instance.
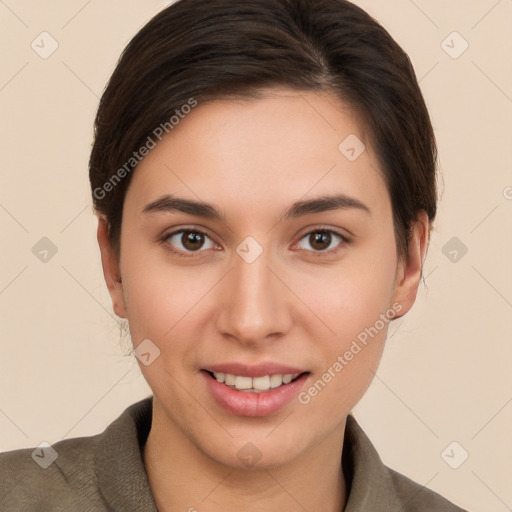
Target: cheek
(164, 307)
(159, 300)
(351, 297)
(158, 295)
(355, 305)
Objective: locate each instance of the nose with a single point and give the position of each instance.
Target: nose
(254, 306)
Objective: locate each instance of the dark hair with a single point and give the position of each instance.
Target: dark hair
(198, 50)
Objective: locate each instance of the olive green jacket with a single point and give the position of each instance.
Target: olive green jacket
(106, 472)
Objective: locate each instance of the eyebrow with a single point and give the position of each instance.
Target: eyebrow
(169, 203)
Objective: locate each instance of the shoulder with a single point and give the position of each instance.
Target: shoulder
(100, 472)
(418, 498)
(44, 478)
(374, 486)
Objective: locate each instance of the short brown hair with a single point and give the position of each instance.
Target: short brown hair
(218, 48)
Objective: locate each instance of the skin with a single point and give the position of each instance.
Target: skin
(299, 303)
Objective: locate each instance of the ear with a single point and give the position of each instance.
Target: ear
(111, 269)
(409, 270)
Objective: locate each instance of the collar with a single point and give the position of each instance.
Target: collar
(370, 485)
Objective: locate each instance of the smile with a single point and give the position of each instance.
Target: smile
(254, 384)
(259, 395)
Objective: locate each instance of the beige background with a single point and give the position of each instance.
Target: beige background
(446, 373)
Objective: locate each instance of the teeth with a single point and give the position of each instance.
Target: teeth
(261, 383)
(276, 380)
(243, 382)
(256, 384)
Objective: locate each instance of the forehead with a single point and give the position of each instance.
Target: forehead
(253, 154)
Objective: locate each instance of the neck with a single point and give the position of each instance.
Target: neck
(182, 477)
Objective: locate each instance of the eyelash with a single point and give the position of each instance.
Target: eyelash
(191, 254)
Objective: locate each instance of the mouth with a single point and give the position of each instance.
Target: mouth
(260, 384)
(261, 393)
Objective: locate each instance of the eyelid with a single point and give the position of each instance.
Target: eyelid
(343, 233)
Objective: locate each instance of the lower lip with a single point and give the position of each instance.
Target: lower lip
(244, 403)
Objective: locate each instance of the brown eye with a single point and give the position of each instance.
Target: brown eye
(192, 241)
(188, 240)
(322, 240)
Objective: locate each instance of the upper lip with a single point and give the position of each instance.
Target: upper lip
(257, 370)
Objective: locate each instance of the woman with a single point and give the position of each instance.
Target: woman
(264, 175)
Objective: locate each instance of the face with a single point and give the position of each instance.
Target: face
(252, 246)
